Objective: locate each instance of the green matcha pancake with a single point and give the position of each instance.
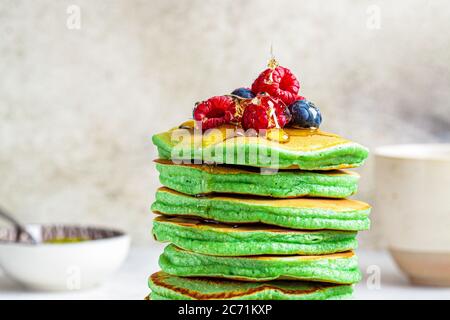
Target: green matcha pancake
(168, 287)
(242, 240)
(204, 179)
(307, 149)
(336, 268)
(297, 213)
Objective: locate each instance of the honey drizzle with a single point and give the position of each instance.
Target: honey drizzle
(226, 132)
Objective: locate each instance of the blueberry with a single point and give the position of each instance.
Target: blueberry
(244, 93)
(305, 114)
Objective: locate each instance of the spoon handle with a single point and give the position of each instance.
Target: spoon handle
(19, 228)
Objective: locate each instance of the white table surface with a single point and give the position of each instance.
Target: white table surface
(131, 281)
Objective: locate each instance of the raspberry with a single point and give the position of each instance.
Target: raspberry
(279, 82)
(216, 111)
(265, 112)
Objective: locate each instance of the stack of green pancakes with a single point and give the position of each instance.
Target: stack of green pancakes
(241, 227)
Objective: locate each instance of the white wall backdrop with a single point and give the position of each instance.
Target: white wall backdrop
(78, 106)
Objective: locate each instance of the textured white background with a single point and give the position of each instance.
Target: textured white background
(78, 107)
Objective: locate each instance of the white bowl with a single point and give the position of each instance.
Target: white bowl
(413, 204)
(62, 266)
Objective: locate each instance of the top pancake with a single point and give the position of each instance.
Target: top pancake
(306, 149)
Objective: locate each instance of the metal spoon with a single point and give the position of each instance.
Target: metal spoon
(20, 229)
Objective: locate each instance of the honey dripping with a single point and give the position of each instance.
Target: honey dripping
(277, 135)
(228, 131)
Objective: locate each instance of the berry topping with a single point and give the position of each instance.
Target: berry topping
(279, 82)
(305, 114)
(243, 93)
(215, 112)
(264, 112)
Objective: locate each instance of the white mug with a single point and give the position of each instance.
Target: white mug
(413, 204)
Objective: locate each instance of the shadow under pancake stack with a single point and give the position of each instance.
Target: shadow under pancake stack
(254, 203)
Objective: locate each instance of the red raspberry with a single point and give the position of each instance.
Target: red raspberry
(216, 111)
(265, 112)
(279, 82)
